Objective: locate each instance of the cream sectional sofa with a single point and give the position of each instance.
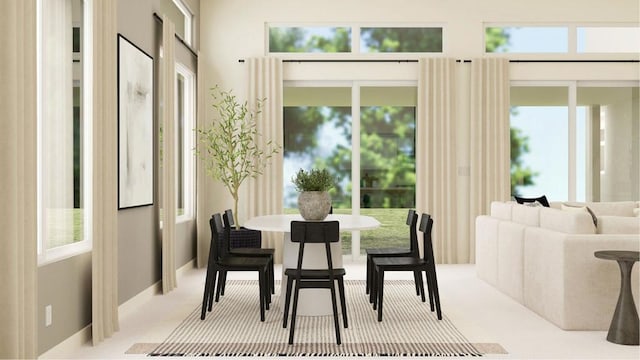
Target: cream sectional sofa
(543, 258)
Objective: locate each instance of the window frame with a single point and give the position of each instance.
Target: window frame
(47, 255)
(188, 142)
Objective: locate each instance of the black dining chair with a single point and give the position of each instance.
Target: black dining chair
(222, 262)
(410, 263)
(318, 232)
(229, 231)
(412, 250)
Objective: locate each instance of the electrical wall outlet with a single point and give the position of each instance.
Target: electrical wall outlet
(48, 315)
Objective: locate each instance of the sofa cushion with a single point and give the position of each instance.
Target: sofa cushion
(501, 210)
(618, 225)
(570, 222)
(542, 200)
(526, 215)
(636, 212)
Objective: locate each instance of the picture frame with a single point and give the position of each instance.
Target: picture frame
(135, 125)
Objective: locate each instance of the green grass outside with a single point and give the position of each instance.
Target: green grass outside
(393, 231)
(64, 226)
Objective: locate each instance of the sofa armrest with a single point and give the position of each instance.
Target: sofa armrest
(566, 284)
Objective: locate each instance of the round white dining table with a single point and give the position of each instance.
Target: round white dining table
(311, 302)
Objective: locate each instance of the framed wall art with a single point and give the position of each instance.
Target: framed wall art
(135, 125)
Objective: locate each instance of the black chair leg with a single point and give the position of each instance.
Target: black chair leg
(373, 296)
(224, 283)
(287, 301)
(420, 285)
(221, 279)
(368, 280)
(294, 312)
(262, 282)
(207, 290)
(436, 294)
(417, 278)
(380, 291)
(212, 286)
(334, 304)
(430, 289)
(343, 301)
(272, 277)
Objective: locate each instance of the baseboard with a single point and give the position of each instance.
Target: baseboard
(83, 336)
(69, 345)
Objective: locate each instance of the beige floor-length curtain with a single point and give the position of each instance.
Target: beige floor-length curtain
(436, 161)
(167, 91)
(18, 255)
(265, 192)
(105, 187)
(490, 139)
(203, 238)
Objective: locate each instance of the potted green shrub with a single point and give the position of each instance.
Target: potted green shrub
(314, 201)
(229, 147)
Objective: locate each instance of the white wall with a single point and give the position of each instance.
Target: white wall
(235, 29)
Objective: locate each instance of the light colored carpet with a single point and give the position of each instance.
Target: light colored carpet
(233, 328)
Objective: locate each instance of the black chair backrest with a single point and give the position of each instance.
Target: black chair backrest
(216, 236)
(412, 221)
(315, 231)
(426, 225)
(305, 232)
(227, 217)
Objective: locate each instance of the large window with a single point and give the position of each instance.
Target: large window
(367, 142)
(64, 130)
(562, 39)
(185, 121)
(355, 39)
(577, 141)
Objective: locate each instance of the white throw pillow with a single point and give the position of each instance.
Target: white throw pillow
(636, 212)
(569, 207)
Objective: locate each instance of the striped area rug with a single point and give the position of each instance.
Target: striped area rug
(233, 328)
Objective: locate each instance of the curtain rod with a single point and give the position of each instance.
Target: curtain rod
(460, 61)
(356, 60)
(193, 52)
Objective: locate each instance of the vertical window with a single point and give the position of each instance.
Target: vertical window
(539, 142)
(181, 17)
(185, 121)
(64, 131)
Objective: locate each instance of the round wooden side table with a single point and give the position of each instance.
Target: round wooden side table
(624, 327)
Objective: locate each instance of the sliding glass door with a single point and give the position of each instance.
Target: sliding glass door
(576, 141)
(365, 136)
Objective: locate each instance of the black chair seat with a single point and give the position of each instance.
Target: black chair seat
(252, 252)
(398, 263)
(315, 274)
(240, 262)
(388, 251)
